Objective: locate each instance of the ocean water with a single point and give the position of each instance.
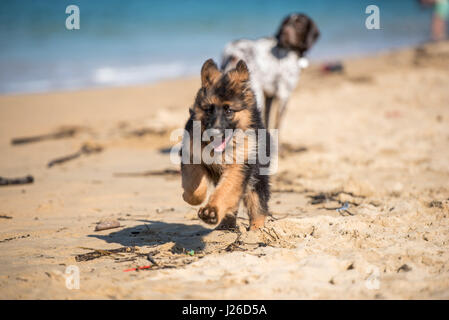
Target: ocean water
(141, 41)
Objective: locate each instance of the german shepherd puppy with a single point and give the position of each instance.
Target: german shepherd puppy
(225, 101)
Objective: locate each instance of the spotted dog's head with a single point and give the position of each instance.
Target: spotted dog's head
(225, 101)
(297, 32)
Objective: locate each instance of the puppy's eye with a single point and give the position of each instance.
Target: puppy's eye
(228, 110)
(209, 108)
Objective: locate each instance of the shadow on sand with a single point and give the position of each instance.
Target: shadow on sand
(153, 233)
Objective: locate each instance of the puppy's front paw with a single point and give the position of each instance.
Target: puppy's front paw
(208, 214)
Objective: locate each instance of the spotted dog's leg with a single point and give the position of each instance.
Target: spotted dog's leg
(226, 196)
(194, 183)
(280, 113)
(278, 108)
(282, 96)
(277, 111)
(266, 114)
(271, 118)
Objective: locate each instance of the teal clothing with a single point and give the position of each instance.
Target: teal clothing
(442, 9)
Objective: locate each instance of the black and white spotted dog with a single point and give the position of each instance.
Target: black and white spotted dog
(274, 63)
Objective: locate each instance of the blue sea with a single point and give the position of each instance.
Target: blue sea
(142, 41)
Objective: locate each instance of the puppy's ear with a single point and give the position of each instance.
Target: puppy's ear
(312, 34)
(241, 72)
(242, 67)
(209, 73)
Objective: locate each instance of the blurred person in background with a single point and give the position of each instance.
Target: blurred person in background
(440, 15)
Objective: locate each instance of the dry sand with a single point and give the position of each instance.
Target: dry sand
(376, 136)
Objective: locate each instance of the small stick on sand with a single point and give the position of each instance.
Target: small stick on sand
(86, 149)
(16, 181)
(164, 172)
(62, 133)
(97, 253)
(150, 258)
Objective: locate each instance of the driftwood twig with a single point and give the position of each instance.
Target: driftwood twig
(14, 181)
(62, 133)
(97, 253)
(165, 172)
(86, 149)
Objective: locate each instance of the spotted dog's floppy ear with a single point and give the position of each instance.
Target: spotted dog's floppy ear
(283, 23)
(312, 35)
(209, 73)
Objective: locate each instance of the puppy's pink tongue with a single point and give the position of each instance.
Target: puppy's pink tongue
(222, 145)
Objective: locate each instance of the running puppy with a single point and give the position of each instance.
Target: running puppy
(224, 106)
(275, 63)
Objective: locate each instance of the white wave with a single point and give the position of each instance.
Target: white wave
(140, 74)
(79, 78)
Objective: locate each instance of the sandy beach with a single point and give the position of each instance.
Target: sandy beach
(375, 136)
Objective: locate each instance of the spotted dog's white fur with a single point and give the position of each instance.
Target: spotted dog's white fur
(274, 70)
